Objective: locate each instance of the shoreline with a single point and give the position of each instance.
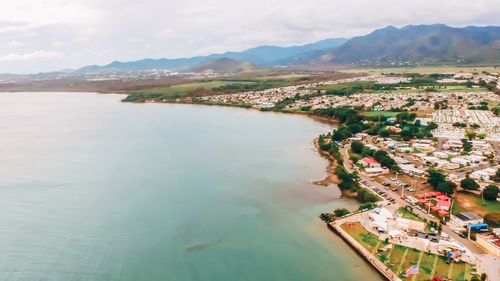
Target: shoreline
(331, 177)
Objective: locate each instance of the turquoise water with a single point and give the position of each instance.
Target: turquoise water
(95, 189)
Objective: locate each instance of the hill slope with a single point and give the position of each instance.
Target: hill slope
(261, 56)
(417, 45)
(224, 65)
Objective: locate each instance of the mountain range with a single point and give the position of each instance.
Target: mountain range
(390, 46)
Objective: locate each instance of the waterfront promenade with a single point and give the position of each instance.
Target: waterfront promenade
(362, 251)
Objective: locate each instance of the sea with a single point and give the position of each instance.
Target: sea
(92, 188)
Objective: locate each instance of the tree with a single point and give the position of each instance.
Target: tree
(492, 218)
(357, 147)
(365, 195)
(384, 133)
(446, 187)
(470, 134)
(467, 145)
(435, 178)
(490, 192)
(496, 177)
(406, 134)
(432, 126)
(341, 212)
(469, 184)
(368, 205)
(355, 128)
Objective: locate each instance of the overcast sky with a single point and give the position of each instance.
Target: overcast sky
(45, 35)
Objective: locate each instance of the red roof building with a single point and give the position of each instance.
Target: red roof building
(369, 162)
(443, 204)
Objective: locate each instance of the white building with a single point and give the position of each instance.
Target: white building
(464, 219)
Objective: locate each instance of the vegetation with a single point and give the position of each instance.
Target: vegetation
(496, 177)
(466, 145)
(204, 87)
(365, 206)
(409, 214)
(348, 181)
(492, 219)
(490, 192)
(357, 147)
(438, 181)
(469, 184)
(341, 212)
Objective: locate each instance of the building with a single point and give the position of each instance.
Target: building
(463, 219)
(483, 175)
(490, 242)
(376, 171)
(459, 161)
(411, 170)
(369, 162)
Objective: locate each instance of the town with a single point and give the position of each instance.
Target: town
(423, 161)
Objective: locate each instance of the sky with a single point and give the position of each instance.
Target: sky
(48, 35)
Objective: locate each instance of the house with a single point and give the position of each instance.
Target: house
(453, 145)
(463, 219)
(483, 175)
(369, 162)
(443, 204)
(441, 155)
(476, 159)
(376, 171)
(459, 161)
(448, 165)
(411, 170)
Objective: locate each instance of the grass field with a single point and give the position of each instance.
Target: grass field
(409, 215)
(180, 90)
(379, 113)
(474, 203)
(365, 238)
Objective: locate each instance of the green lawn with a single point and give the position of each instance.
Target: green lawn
(407, 214)
(365, 238)
(379, 113)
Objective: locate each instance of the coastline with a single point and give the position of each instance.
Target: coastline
(331, 177)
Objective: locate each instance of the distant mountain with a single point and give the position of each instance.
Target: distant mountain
(389, 46)
(224, 65)
(260, 56)
(415, 45)
(272, 55)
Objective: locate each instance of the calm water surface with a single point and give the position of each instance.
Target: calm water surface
(95, 189)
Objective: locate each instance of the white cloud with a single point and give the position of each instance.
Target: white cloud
(35, 55)
(15, 44)
(57, 44)
(182, 28)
